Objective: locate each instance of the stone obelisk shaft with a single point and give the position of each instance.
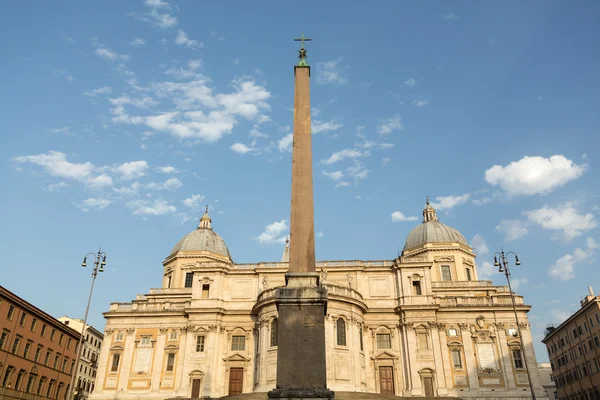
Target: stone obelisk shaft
(302, 226)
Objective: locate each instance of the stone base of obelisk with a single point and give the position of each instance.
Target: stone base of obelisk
(301, 369)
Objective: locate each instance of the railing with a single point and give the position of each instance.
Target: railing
(459, 301)
(135, 307)
(171, 291)
(459, 284)
(322, 264)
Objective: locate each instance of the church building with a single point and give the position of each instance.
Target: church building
(421, 324)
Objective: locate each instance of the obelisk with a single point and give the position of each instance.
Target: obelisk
(302, 303)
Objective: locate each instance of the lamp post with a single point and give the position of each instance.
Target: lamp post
(99, 263)
(502, 263)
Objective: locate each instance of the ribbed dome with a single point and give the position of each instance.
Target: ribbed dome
(202, 239)
(432, 231)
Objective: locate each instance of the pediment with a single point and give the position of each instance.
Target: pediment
(444, 259)
(236, 357)
(384, 355)
(117, 347)
(468, 262)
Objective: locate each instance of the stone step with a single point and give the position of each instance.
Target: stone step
(338, 396)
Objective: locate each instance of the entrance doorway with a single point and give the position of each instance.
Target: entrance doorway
(236, 380)
(428, 386)
(386, 380)
(196, 388)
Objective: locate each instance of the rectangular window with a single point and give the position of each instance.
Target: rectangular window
(27, 349)
(238, 343)
(33, 325)
(456, 359)
(119, 337)
(189, 279)
(16, 343)
(56, 360)
(446, 276)
(173, 335)
(422, 336)
(61, 339)
(30, 381)
(47, 358)
(19, 379)
(360, 336)
(7, 375)
(11, 312)
(40, 386)
(274, 332)
(416, 286)
(596, 341)
(200, 344)
(43, 330)
(115, 362)
(468, 274)
(170, 362)
(205, 291)
(518, 361)
(452, 332)
(145, 340)
(52, 335)
(65, 362)
(384, 341)
(23, 319)
(513, 332)
(38, 353)
(69, 343)
(3, 339)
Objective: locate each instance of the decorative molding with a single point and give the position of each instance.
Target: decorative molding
(463, 326)
(499, 325)
(130, 331)
(184, 329)
(480, 321)
(468, 262)
(163, 331)
(108, 332)
(444, 259)
(524, 326)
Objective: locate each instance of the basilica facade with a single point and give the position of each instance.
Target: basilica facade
(421, 324)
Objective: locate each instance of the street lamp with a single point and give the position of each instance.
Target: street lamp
(99, 263)
(502, 263)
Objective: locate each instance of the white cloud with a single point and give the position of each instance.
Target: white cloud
(512, 229)
(335, 175)
(169, 184)
(132, 170)
(56, 187)
(154, 17)
(450, 17)
(486, 270)
(95, 203)
(137, 42)
(385, 146)
(194, 201)
(183, 40)
(111, 55)
(329, 73)
(564, 268)
(357, 170)
(200, 113)
(167, 169)
(449, 202)
(327, 126)
(241, 148)
(564, 218)
(273, 233)
(479, 245)
(398, 216)
(420, 103)
(517, 282)
(342, 184)
(285, 143)
(55, 163)
(156, 207)
(385, 161)
(236, 61)
(131, 190)
(410, 82)
(481, 201)
(319, 234)
(140, 102)
(65, 130)
(342, 155)
(534, 175)
(256, 133)
(390, 125)
(98, 91)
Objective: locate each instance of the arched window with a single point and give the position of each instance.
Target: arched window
(274, 329)
(341, 332)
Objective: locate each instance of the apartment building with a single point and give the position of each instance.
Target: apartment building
(574, 351)
(37, 351)
(88, 362)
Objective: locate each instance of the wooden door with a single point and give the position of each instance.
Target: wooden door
(386, 380)
(195, 388)
(236, 380)
(428, 386)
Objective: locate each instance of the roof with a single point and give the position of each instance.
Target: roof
(202, 239)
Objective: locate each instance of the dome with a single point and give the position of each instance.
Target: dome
(432, 231)
(202, 239)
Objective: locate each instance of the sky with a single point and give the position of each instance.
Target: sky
(122, 120)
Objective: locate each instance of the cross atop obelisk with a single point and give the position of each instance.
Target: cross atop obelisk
(302, 52)
(302, 303)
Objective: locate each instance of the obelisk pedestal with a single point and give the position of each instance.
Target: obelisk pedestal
(302, 303)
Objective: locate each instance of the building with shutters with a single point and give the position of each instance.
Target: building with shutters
(414, 325)
(37, 351)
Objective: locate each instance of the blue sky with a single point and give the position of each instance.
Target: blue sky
(121, 120)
